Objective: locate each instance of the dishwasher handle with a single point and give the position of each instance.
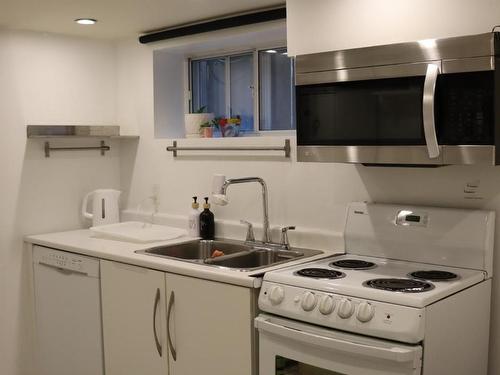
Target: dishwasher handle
(67, 271)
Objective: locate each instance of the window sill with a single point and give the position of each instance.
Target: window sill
(275, 133)
(250, 135)
(246, 140)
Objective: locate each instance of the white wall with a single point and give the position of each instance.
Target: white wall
(45, 79)
(309, 195)
(52, 79)
(322, 25)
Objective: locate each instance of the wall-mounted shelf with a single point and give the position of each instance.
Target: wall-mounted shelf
(286, 148)
(119, 137)
(76, 132)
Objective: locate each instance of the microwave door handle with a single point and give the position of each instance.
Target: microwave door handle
(428, 101)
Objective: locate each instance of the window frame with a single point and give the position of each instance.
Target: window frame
(255, 88)
(257, 101)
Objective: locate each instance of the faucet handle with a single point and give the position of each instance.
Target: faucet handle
(284, 237)
(250, 236)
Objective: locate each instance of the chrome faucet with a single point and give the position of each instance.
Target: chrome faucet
(250, 236)
(220, 198)
(285, 244)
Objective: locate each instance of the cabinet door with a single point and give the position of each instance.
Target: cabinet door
(133, 315)
(210, 327)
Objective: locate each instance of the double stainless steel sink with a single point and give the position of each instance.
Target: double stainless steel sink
(231, 254)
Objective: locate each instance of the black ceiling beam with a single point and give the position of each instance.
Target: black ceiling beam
(219, 24)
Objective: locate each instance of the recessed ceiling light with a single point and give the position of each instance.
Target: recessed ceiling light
(285, 53)
(85, 21)
(271, 51)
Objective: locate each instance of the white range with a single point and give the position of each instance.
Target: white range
(411, 295)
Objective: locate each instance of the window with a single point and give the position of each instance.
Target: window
(276, 100)
(226, 86)
(209, 85)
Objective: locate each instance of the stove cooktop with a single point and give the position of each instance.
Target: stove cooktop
(392, 281)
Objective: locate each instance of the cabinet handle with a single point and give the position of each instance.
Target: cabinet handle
(170, 344)
(155, 308)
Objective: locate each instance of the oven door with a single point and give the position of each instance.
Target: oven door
(287, 347)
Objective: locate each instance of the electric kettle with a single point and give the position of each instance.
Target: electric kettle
(105, 206)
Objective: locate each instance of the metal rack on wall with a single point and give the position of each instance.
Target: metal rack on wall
(175, 148)
(76, 132)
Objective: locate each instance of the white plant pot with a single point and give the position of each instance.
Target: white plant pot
(192, 122)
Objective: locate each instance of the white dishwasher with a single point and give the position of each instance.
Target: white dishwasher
(68, 313)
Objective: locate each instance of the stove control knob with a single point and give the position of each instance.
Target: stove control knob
(308, 301)
(276, 294)
(326, 305)
(365, 312)
(346, 308)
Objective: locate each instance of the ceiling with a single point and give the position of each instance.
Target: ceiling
(116, 18)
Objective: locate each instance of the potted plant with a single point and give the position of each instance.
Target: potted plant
(193, 121)
(232, 128)
(206, 130)
(222, 127)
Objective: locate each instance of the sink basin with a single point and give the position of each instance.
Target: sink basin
(198, 250)
(254, 259)
(238, 255)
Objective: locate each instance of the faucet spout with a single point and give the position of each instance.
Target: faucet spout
(266, 237)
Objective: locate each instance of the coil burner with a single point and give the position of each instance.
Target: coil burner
(399, 285)
(434, 275)
(353, 264)
(320, 273)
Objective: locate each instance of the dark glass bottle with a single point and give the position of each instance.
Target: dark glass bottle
(207, 222)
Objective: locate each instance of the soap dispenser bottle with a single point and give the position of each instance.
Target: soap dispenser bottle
(194, 219)
(207, 222)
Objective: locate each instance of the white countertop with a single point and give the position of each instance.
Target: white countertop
(82, 242)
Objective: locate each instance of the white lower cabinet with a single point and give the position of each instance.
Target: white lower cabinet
(208, 324)
(210, 327)
(133, 315)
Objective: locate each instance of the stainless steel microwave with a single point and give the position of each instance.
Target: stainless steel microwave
(432, 102)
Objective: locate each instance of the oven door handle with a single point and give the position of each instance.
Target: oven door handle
(428, 101)
(394, 354)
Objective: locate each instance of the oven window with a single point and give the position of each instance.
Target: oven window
(285, 366)
(373, 112)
